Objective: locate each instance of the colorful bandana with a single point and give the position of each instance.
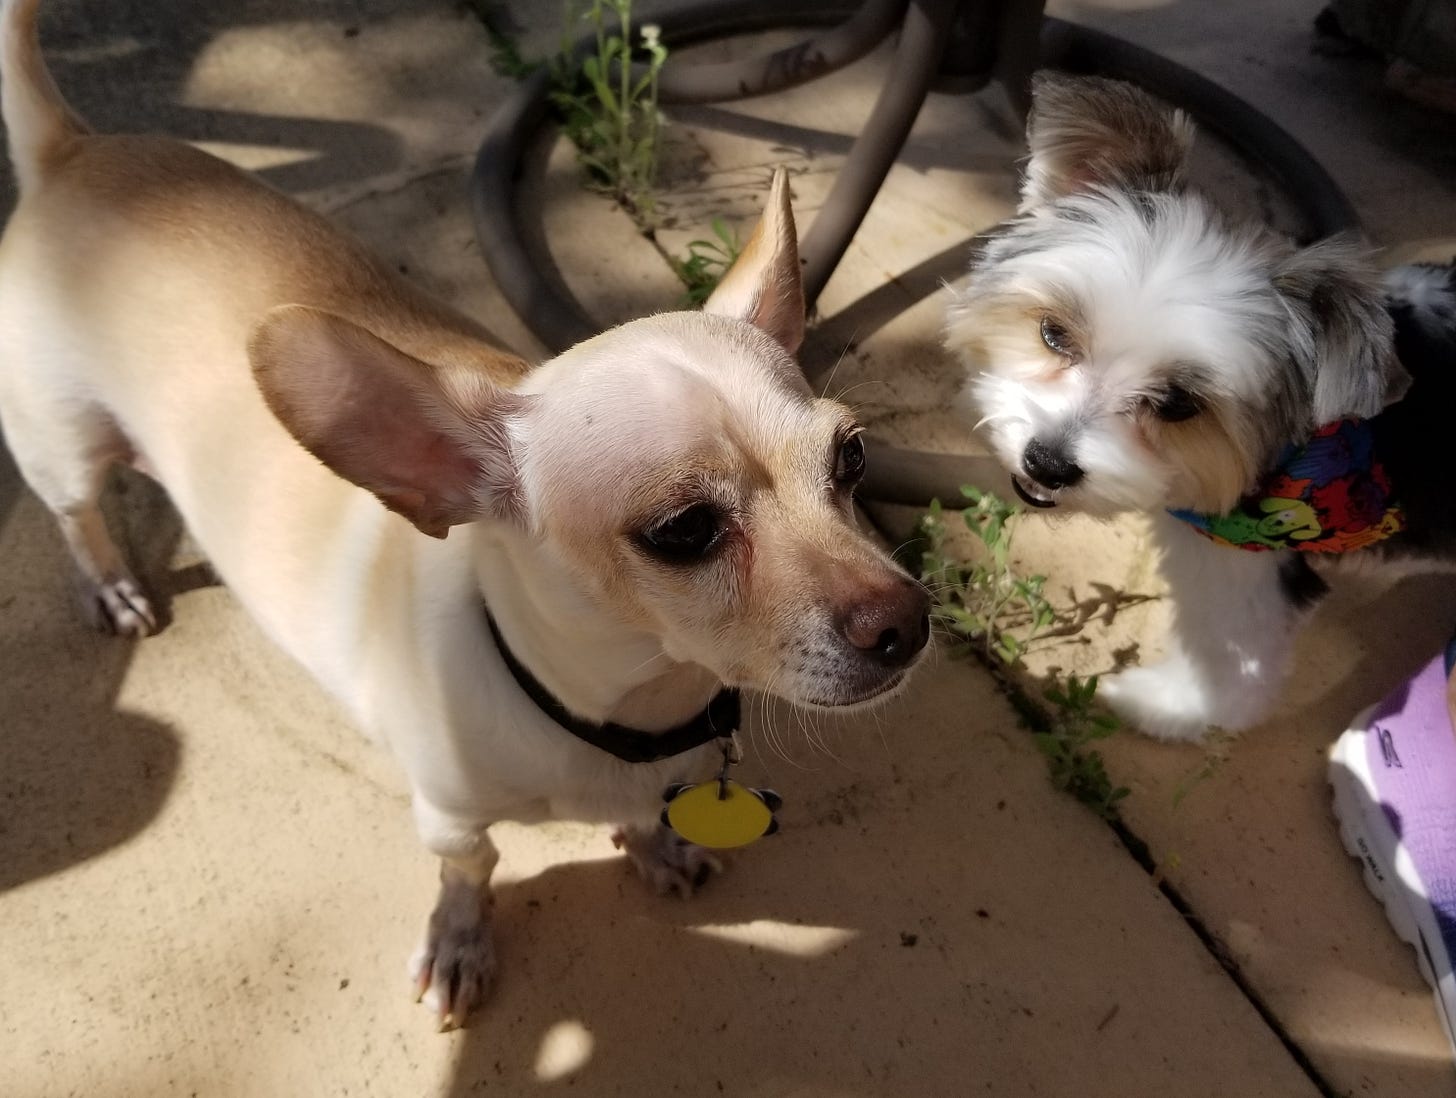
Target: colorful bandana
(1330, 495)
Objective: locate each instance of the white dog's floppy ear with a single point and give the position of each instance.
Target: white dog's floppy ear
(765, 285)
(1342, 335)
(433, 443)
(1088, 132)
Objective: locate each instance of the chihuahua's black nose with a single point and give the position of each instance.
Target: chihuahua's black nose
(1049, 468)
(891, 627)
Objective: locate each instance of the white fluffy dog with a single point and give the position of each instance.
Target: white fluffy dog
(1132, 347)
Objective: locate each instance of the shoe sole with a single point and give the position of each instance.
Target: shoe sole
(1389, 875)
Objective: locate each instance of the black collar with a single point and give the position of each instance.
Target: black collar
(717, 720)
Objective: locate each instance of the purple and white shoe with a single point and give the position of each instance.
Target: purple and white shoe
(1394, 780)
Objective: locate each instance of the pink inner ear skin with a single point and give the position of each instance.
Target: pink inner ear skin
(435, 463)
(429, 443)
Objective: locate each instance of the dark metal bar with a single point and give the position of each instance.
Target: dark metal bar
(915, 477)
(844, 44)
(917, 61)
(555, 317)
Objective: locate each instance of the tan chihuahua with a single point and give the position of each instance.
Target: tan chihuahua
(659, 514)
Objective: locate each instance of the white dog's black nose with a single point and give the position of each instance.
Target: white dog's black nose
(1049, 468)
(891, 627)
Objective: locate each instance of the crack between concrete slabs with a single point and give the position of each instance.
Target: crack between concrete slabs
(1142, 855)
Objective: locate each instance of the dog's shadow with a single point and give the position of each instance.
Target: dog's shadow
(1376, 638)
(750, 987)
(118, 62)
(78, 776)
(886, 929)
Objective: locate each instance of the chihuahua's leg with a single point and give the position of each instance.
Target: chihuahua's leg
(1235, 615)
(667, 861)
(64, 451)
(453, 968)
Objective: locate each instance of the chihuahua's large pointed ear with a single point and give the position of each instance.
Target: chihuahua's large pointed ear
(1343, 337)
(1085, 131)
(765, 285)
(436, 444)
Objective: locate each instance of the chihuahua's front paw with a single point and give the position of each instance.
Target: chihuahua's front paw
(452, 970)
(667, 861)
(117, 606)
(1161, 701)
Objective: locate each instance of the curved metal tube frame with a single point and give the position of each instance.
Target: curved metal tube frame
(533, 287)
(789, 67)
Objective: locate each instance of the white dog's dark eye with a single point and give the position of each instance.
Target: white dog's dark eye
(1056, 337)
(1175, 405)
(850, 465)
(688, 536)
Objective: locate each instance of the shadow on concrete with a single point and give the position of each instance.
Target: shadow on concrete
(1396, 635)
(878, 946)
(77, 776)
(121, 62)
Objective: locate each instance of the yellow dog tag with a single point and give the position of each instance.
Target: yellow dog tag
(721, 814)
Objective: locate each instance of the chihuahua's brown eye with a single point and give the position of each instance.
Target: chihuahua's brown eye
(849, 467)
(686, 537)
(1056, 337)
(1175, 404)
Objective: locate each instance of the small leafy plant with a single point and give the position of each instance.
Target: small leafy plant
(998, 614)
(983, 602)
(1073, 724)
(607, 111)
(707, 262)
(612, 117)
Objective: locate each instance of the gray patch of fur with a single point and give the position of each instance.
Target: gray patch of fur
(1341, 339)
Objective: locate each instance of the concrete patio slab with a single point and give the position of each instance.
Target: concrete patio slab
(208, 882)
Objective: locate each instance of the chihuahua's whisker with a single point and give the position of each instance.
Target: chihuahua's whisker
(818, 737)
(811, 733)
(843, 395)
(880, 733)
(843, 352)
(658, 655)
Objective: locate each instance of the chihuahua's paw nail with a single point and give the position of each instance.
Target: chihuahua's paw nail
(452, 971)
(452, 976)
(668, 862)
(118, 606)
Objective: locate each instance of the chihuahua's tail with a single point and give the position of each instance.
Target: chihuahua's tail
(41, 125)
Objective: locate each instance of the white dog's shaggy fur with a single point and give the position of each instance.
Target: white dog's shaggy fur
(1131, 347)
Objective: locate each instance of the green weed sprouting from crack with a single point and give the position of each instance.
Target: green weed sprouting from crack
(997, 614)
(707, 262)
(614, 122)
(1074, 724)
(609, 112)
(984, 603)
